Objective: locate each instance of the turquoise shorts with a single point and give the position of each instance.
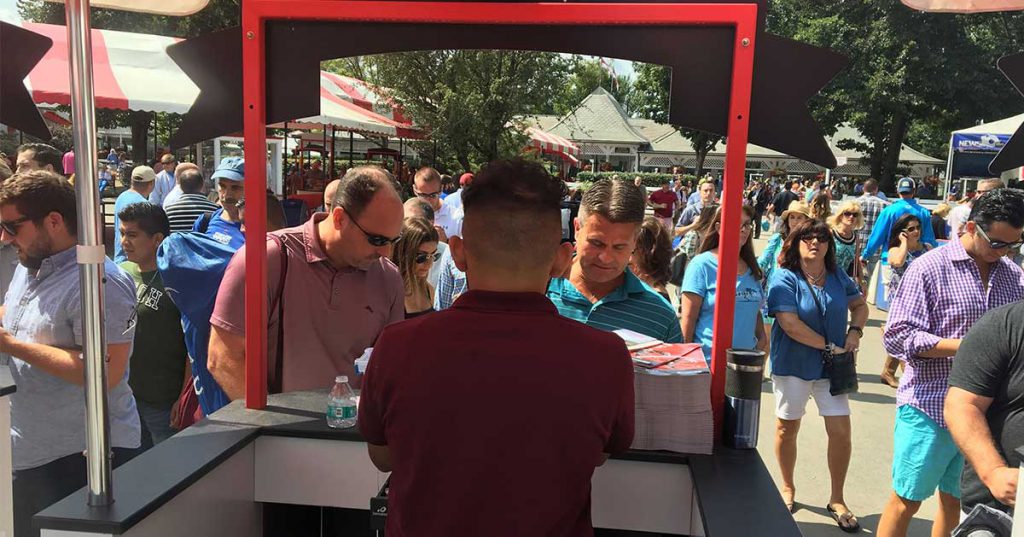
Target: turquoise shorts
(924, 457)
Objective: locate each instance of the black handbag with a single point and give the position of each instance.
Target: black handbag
(840, 368)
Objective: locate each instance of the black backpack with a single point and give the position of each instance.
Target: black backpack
(677, 267)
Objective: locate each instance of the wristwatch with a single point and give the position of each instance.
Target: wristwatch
(857, 329)
(830, 348)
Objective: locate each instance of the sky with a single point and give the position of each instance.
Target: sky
(9, 10)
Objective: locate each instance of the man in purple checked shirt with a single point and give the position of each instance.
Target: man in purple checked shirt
(940, 297)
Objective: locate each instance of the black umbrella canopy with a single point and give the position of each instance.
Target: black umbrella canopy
(20, 51)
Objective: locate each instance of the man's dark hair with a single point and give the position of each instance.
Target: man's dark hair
(359, 186)
(38, 193)
(789, 185)
(191, 181)
(901, 224)
(789, 257)
(1000, 205)
(44, 154)
(618, 201)
(150, 218)
(513, 214)
(424, 208)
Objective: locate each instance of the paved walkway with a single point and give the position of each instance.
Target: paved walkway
(868, 482)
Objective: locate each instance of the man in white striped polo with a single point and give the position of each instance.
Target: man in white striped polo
(192, 204)
(600, 290)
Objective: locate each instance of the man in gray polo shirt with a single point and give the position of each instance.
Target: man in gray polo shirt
(42, 331)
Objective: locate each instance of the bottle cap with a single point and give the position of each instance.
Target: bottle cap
(341, 378)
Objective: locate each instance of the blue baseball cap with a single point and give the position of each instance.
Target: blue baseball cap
(906, 185)
(231, 168)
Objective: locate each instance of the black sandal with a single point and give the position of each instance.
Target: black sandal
(847, 516)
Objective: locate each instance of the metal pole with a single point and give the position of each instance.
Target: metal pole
(91, 255)
(351, 147)
(156, 149)
(334, 133)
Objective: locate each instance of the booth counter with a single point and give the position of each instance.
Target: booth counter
(211, 479)
(6, 494)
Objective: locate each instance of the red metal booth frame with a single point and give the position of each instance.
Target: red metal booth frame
(255, 13)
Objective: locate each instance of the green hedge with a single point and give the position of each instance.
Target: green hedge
(649, 179)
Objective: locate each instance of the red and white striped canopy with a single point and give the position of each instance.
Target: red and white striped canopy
(133, 72)
(551, 143)
(965, 6)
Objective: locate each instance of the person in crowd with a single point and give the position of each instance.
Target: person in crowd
(330, 191)
(871, 204)
(455, 198)
(159, 360)
(417, 208)
(797, 212)
(164, 179)
(225, 224)
(663, 201)
(700, 283)
(983, 408)
(8, 256)
(907, 204)
(68, 164)
(414, 255)
(958, 216)
(940, 296)
(511, 248)
(760, 201)
(599, 289)
(336, 274)
(845, 224)
(821, 206)
(938, 223)
(653, 255)
(705, 196)
(176, 191)
(690, 245)
(36, 156)
(451, 282)
(904, 246)
(782, 201)
(42, 332)
(813, 190)
(427, 187)
(143, 180)
(811, 299)
(191, 204)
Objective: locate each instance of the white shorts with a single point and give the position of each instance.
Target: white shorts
(792, 394)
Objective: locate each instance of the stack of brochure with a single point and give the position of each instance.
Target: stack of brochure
(673, 395)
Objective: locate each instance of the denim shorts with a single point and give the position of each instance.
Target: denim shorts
(924, 457)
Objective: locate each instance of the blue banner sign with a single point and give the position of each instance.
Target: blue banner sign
(984, 143)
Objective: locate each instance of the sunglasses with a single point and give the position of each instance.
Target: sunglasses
(912, 229)
(431, 195)
(375, 240)
(12, 227)
(423, 257)
(997, 245)
(848, 214)
(822, 239)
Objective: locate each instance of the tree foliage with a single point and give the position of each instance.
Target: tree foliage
(586, 75)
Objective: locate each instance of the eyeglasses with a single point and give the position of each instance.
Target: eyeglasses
(423, 257)
(12, 227)
(746, 226)
(997, 245)
(822, 239)
(375, 240)
(431, 195)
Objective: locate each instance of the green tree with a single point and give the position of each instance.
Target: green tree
(219, 14)
(585, 76)
(912, 76)
(469, 99)
(649, 98)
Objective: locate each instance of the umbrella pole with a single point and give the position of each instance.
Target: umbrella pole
(334, 133)
(351, 147)
(91, 255)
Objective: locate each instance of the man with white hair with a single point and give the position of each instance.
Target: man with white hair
(958, 216)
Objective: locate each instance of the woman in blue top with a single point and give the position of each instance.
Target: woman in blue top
(809, 296)
(698, 291)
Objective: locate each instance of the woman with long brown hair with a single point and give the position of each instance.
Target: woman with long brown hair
(414, 254)
(699, 286)
(652, 257)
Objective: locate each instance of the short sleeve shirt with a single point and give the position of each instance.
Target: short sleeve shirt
(666, 198)
(633, 306)
(222, 231)
(701, 279)
(990, 363)
(48, 413)
(331, 315)
(517, 411)
(789, 292)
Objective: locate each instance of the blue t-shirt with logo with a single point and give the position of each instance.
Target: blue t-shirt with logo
(701, 279)
(227, 233)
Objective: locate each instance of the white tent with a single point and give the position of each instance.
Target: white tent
(972, 149)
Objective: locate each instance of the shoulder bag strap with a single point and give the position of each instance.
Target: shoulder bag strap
(276, 381)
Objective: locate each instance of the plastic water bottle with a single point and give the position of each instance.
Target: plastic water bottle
(341, 404)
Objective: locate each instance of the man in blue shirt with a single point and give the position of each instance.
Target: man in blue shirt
(143, 181)
(599, 289)
(42, 331)
(906, 188)
(225, 224)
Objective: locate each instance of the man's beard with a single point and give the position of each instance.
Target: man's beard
(37, 252)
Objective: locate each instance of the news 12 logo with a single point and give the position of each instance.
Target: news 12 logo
(986, 141)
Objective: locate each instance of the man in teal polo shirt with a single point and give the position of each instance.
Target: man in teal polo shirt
(599, 290)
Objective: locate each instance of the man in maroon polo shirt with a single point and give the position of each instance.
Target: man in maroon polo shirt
(663, 201)
(495, 429)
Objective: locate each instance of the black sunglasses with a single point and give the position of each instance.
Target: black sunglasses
(12, 227)
(997, 245)
(375, 240)
(422, 257)
(823, 239)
